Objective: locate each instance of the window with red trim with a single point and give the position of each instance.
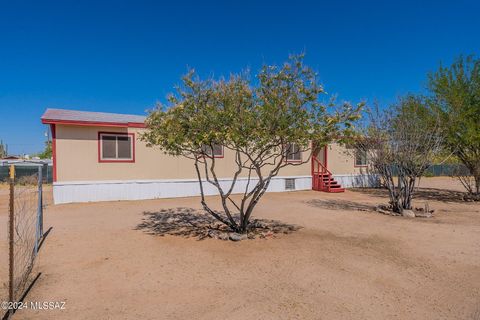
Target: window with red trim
(216, 150)
(116, 147)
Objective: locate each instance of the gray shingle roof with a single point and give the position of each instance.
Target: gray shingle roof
(52, 115)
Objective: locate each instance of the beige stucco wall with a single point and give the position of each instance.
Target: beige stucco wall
(342, 161)
(77, 159)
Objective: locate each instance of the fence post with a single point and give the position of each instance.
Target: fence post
(11, 230)
(46, 172)
(39, 224)
(40, 200)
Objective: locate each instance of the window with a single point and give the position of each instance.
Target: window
(217, 150)
(116, 147)
(360, 158)
(293, 152)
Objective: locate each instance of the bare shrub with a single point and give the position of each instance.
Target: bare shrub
(400, 147)
(469, 183)
(28, 180)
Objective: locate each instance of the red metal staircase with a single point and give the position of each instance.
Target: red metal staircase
(322, 179)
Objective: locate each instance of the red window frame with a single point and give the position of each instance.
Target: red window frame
(100, 160)
(218, 156)
(54, 150)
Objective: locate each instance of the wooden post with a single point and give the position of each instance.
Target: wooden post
(11, 229)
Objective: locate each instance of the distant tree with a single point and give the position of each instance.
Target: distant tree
(456, 97)
(47, 152)
(261, 123)
(3, 150)
(401, 143)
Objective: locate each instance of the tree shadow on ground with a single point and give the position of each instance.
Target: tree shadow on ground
(188, 222)
(340, 205)
(428, 194)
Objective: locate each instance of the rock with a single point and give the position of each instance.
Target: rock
(215, 234)
(408, 213)
(223, 236)
(237, 236)
(382, 210)
(258, 225)
(423, 214)
(267, 234)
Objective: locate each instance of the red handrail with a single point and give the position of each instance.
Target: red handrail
(319, 169)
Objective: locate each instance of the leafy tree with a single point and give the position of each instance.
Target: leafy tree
(401, 143)
(456, 97)
(257, 121)
(3, 150)
(47, 153)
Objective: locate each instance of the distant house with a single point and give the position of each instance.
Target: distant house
(99, 157)
(12, 158)
(26, 163)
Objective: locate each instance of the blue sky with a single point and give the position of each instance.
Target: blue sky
(123, 56)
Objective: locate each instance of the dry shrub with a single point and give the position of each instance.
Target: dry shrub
(27, 180)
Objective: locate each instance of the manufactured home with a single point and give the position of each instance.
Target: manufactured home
(99, 157)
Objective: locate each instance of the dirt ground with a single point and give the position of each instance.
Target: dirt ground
(346, 262)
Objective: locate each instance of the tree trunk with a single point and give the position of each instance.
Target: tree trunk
(477, 185)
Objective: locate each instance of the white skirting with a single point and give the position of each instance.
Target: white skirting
(357, 180)
(90, 191)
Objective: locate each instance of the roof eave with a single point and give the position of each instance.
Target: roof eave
(95, 123)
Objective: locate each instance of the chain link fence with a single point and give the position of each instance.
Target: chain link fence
(443, 170)
(438, 170)
(24, 221)
(24, 171)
